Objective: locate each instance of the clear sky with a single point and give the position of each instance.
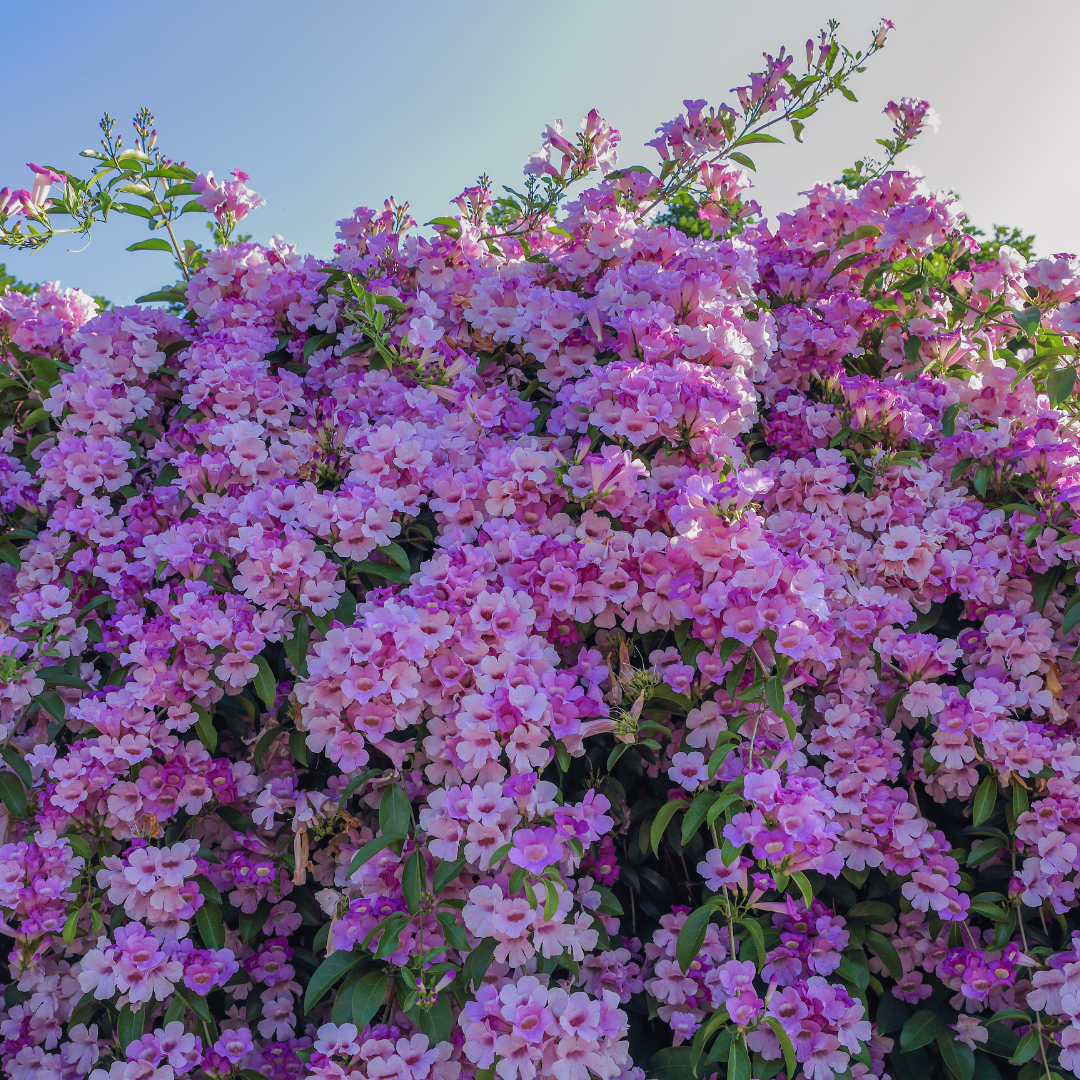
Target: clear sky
(331, 104)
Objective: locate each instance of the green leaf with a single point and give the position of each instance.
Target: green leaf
(1020, 1015)
(98, 601)
(397, 553)
(696, 814)
(395, 812)
(265, 683)
(874, 911)
(786, 1046)
(757, 137)
(1001, 1041)
(960, 468)
(914, 1065)
(863, 232)
(45, 370)
(774, 694)
(207, 888)
(204, 728)
(660, 822)
(264, 743)
(691, 935)
(609, 902)
(12, 794)
(446, 872)
(477, 962)
(948, 420)
(891, 1014)
(327, 973)
(989, 911)
(551, 903)
(718, 757)
(211, 928)
(984, 850)
(664, 695)
(1020, 803)
(729, 853)
(298, 746)
(53, 704)
(372, 847)
(985, 800)
(982, 479)
(9, 553)
(742, 159)
(367, 998)
(127, 157)
(985, 1068)
(562, 756)
(79, 845)
(893, 704)
(129, 1025)
(758, 936)
(390, 571)
(738, 1061)
(341, 1011)
(671, 1063)
(252, 922)
(169, 296)
(195, 1002)
(413, 880)
(1042, 585)
(1060, 384)
(58, 676)
(155, 243)
(805, 888)
(345, 611)
(886, 952)
(846, 262)
(451, 226)
(18, 763)
(453, 931)
(1028, 319)
(355, 784)
(297, 646)
(921, 1029)
(84, 1010)
(1027, 1048)
(1004, 931)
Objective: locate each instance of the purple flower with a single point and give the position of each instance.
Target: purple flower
(235, 1044)
(536, 849)
(689, 770)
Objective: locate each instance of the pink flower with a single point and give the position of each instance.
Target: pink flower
(535, 849)
(688, 770)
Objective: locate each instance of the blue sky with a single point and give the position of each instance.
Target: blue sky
(330, 104)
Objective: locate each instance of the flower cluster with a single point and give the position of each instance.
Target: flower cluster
(574, 643)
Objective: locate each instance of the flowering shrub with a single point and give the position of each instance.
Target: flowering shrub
(555, 646)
